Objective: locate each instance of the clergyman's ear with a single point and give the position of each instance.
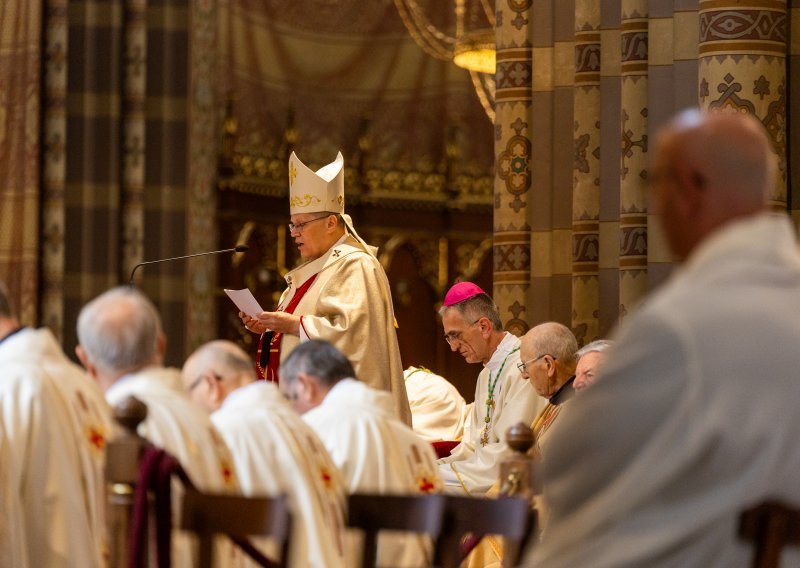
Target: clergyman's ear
(83, 357)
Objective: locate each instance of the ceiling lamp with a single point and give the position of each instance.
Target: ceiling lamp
(472, 48)
(474, 43)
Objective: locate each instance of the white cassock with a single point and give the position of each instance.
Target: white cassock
(185, 431)
(438, 410)
(276, 452)
(376, 453)
(694, 420)
(54, 424)
(473, 467)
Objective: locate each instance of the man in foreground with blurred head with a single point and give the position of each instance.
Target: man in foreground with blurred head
(373, 449)
(472, 327)
(653, 465)
(274, 451)
(54, 424)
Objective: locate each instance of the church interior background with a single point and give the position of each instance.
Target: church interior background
(133, 130)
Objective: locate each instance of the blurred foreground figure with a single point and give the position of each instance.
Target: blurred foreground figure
(54, 424)
(695, 418)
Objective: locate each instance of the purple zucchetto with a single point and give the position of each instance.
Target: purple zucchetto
(460, 292)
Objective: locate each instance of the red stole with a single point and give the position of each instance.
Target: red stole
(270, 371)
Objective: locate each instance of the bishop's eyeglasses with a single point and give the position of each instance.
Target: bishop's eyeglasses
(298, 227)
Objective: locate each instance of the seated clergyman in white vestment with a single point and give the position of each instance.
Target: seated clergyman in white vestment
(473, 329)
(273, 449)
(373, 449)
(54, 424)
(438, 410)
(122, 346)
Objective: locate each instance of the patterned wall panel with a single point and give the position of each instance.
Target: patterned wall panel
(134, 91)
(633, 158)
(20, 95)
(512, 254)
(54, 166)
(743, 47)
(586, 173)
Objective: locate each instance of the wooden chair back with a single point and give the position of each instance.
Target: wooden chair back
(208, 515)
(122, 469)
(770, 526)
(509, 517)
(417, 513)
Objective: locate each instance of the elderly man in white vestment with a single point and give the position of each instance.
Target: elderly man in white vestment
(122, 346)
(437, 408)
(340, 293)
(273, 449)
(695, 418)
(472, 327)
(375, 452)
(54, 424)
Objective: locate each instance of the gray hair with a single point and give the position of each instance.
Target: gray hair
(119, 329)
(596, 346)
(476, 307)
(6, 310)
(319, 359)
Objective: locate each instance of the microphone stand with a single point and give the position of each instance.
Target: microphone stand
(237, 248)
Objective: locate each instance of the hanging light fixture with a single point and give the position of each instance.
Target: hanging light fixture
(474, 43)
(472, 48)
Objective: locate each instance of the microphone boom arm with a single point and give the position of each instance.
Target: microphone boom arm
(237, 248)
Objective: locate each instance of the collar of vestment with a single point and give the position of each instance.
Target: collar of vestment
(12, 332)
(258, 393)
(352, 393)
(344, 247)
(766, 239)
(566, 392)
(506, 346)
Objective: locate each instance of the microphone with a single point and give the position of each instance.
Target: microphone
(237, 248)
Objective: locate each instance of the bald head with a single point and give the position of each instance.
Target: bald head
(548, 352)
(119, 332)
(215, 370)
(709, 168)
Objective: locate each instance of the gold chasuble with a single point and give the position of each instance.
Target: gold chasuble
(349, 304)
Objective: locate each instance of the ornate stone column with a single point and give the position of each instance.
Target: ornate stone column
(586, 173)
(633, 158)
(512, 248)
(743, 47)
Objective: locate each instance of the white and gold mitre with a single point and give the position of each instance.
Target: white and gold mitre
(314, 192)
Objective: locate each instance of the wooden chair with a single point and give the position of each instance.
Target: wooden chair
(509, 517)
(238, 517)
(770, 526)
(410, 513)
(122, 469)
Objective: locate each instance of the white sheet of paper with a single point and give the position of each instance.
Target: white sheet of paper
(245, 301)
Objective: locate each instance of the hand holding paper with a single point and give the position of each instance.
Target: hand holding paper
(245, 301)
